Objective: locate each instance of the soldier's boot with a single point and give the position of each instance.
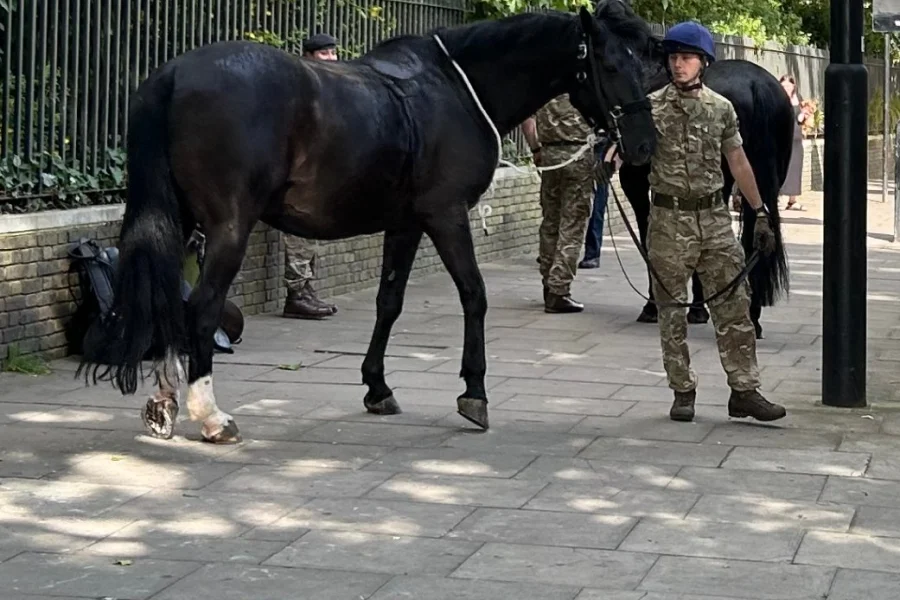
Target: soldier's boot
(697, 314)
(683, 406)
(649, 314)
(561, 304)
(753, 404)
(311, 294)
(300, 305)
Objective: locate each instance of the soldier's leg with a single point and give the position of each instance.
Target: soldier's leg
(721, 260)
(576, 202)
(301, 302)
(548, 233)
(674, 248)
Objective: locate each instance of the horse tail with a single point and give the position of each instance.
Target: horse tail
(147, 311)
(770, 132)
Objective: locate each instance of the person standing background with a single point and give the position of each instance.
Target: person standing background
(300, 255)
(792, 186)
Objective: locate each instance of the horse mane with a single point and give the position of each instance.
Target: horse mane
(617, 17)
(505, 34)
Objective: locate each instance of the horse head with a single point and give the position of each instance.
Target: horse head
(609, 90)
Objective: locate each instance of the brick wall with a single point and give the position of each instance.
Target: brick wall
(36, 302)
(814, 162)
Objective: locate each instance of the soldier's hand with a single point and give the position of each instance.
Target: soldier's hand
(763, 235)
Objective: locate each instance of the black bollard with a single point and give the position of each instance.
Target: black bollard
(846, 178)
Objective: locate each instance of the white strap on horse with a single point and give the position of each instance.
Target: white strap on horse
(484, 209)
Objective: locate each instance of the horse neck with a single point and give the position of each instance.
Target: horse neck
(516, 65)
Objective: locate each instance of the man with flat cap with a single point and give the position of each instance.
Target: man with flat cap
(300, 255)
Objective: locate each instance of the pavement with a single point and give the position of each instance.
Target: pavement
(583, 488)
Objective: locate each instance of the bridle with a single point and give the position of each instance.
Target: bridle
(588, 61)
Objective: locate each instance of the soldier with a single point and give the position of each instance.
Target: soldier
(300, 256)
(593, 240)
(690, 226)
(554, 134)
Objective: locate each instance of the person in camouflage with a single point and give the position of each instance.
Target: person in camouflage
(554, 134)
(690, 227)
(300, 256)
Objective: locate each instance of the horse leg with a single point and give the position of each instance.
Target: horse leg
(452, 238)
(161, 409)
(697, 314)
(635, 184)
(399, 253)
(224, 254)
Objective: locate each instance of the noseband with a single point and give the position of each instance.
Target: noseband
(588, 62)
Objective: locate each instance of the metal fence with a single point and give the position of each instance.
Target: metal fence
(69, 67)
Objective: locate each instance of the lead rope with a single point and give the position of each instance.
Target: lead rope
(484, 209)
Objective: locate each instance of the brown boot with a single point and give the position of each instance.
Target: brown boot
(311, 294)
(561, 304)
(300, 305)
(683, 406)
(752, 404)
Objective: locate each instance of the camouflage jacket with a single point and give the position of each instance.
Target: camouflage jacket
(558, 121)
(692, 135)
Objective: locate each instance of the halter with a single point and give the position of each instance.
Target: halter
(586, 55)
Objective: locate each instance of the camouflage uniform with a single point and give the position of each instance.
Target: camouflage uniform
(566, 194)
(690, 229)
(299, 259)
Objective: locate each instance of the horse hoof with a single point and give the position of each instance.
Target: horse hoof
(227, 435)
(159, 417)
(385, 406)
(473, 409)
(698, 316)
(647, 317)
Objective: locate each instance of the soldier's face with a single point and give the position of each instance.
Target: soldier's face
(324, 54)
(685, 66)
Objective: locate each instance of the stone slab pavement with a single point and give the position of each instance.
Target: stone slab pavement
(582, 488)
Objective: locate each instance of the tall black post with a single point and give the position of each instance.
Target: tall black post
(846, 175)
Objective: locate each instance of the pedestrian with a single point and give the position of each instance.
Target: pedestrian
(300, 255)
(690, 226)
(554, 134)
(792, 186)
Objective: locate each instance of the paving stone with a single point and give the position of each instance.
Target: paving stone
(511, 441)
(414, 414)
(365, 516)
(90, 576)
(884, 465)
(710, 539)
(870, 442)
(706, 395)
(656, 452)
(566, 405)
(660, 428)
(753, 435)
(300, 481)
(786, 486)
(239, 582)
(590, 594)
(42, 499)
(862, 491)
(377, 434)
(616, 474)
(850, 464)
(450, 489)
(876, 521)
(503, 420)
(773, 512)
(273, 428)
(851, 584)
(629, 376)
(613, 501)
(451, 461)
(849, 551)
(544, 527)
(354, 551)
(563, 566)
(693, 577)
(439, 588)
(560, 389)
(303, 454)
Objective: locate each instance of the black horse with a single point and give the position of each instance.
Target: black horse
(403, 140)
(766, 124)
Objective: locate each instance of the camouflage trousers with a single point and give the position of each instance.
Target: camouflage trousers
(567, 198)
(678, 243)
(299, 262)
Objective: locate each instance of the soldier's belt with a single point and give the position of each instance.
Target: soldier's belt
(701, 203)
(561, 143)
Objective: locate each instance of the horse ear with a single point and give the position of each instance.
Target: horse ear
(587, 20)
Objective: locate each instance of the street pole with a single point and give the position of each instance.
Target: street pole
(887, 117)
(844, 248)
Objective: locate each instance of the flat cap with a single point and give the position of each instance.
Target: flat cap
(319, 41)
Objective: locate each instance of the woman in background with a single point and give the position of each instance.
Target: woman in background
(792, 183)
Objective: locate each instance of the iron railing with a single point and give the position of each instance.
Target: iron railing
(69, 67)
